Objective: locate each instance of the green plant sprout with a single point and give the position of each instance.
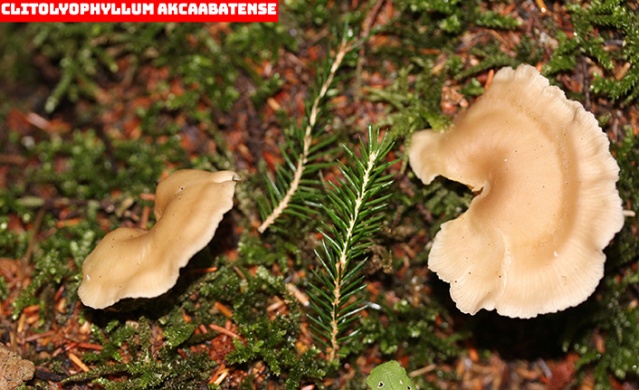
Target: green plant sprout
(353, 207)
(390, 375)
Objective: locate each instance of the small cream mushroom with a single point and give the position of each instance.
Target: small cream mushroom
(532, 240)
(136, 263)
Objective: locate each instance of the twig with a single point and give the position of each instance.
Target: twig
(368, 24)
(222, 330)
(542, 6)
(78, 362)
(343, 49)
(37, 223)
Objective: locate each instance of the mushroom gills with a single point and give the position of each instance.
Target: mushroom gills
(546, 203)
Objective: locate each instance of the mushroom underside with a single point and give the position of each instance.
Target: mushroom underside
(531, 242)
(136, 263)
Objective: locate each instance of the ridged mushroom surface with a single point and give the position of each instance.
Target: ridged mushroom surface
(136, 263)
(532, 240)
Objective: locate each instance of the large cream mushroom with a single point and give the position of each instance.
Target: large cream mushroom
(532, 240)
(136, 263)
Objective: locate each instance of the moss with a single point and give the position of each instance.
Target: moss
(12, 244)
(278, 251)
(4, 290)
(605, 31)
(613, 315)
(414, 330)
(85, 168)
(492, 19)
(55, 259)
(89, 54)
(626, 249)
(20, 74)
(146, 367)
(266, 337)
(415, 105)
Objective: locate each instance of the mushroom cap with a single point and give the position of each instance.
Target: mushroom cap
(136, 263)
(531, 241)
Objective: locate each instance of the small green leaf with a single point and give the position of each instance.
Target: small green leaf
(389, 376)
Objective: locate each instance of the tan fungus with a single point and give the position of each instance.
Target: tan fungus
(136, 263)
(532, 239)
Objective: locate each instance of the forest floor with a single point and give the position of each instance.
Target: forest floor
(70, 174)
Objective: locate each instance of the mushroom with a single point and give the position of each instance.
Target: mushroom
(532, 239)
(136, 263)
